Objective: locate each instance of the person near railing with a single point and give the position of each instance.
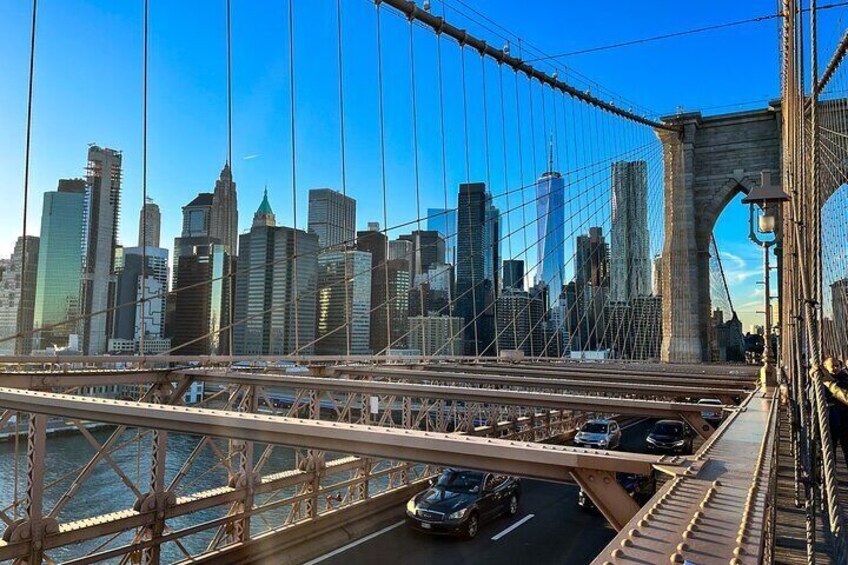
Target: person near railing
(834, 377)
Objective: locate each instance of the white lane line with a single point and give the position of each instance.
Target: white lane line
(512, 527)
(636, 423)
(354, 543)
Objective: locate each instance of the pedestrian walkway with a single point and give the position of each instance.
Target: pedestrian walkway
(790, 547)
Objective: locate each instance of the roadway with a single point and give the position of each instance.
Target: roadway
(549, 528)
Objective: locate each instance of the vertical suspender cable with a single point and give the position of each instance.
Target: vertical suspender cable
(343, 164)
(416, 241)
(381, 111)
(293, 139)
(143, 305)
(227, 208)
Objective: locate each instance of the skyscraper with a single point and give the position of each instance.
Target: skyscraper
(202, 307)
(550, 222)
(134, 281)
(332, 216)
(443, 220)
(344, 303)
(374, 241)
(630, 261)
(17, 296)
(839, 302)
(100, 238)
(223, 217)
(472, 285)
(57, 288)
(149, 223)
(276, 282)
(197, 219)
(513, 274)
(428, 248)
(591, 260)
(492, 244)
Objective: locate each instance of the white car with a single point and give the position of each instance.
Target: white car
(599, 433)
(714, 415)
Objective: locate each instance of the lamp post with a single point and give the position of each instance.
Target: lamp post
(768, 197)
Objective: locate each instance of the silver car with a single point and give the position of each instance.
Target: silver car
(600, 433)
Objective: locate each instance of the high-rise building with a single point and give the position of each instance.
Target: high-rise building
(100, 239)
(344, 303)
(57, 288)
(443, 220)
(550, 222)
(647, 327)
(17, 296)
(202, 306)
(397, 271)
(197, 219)
(332, 217)
(492, 245)
(473, 289)
(436, 335)
(630, 260)
(656, 276)
(839, 302)
(427, 248)
(513, 274)
(149, 225)
(223, 214)
(431, 292)
(591, 259)
(276, 282)
(144, 274)
(375, 242)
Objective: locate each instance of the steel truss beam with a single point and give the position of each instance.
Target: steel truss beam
(546, 462)
(652, 408)
(599, 386)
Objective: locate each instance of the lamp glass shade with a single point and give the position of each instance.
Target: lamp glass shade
(766, 223)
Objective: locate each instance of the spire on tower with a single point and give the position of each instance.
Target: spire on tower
(551, 155)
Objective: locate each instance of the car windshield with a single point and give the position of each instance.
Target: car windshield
(668, 429)
(460, 481)
(594, 428)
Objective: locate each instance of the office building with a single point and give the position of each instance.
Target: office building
(99, 242)
(443, 220)
(432, 291)
(276, 283)
(427, 248)
(344, 303)
(223, 214)
(591, 259)
(202, 307)
(375, 242)
(57, 288)
(839, 303)
(17, 296)
(332, 217)
(436, 335)
(474, 291)
(630, 260)
(513, 274)
(144, 274)
(550, 222)
(149, 225)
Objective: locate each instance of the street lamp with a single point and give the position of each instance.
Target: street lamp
(768, 197)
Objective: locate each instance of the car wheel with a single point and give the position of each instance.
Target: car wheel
(512, 505)
(472, 526)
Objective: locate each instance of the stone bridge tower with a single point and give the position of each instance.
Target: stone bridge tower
(708, 162)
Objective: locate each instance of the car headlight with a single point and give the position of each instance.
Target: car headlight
(458, 515)
(651, 440)
(603, 443)
(410, 506)
(679, 443)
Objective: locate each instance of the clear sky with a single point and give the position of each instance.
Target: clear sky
(88, 90)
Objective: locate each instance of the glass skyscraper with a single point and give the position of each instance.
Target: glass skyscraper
(550, 216)
(443, 220)
(59, 263)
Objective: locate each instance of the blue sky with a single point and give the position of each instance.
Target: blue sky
(88, 89)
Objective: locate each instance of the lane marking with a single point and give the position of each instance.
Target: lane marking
(636, 423)
(353, 544)
(524, 520)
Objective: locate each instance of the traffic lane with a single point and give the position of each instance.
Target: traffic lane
(558, 532)
(633, 436)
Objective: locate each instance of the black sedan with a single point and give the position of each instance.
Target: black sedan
(670, 436)
(459, 501)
